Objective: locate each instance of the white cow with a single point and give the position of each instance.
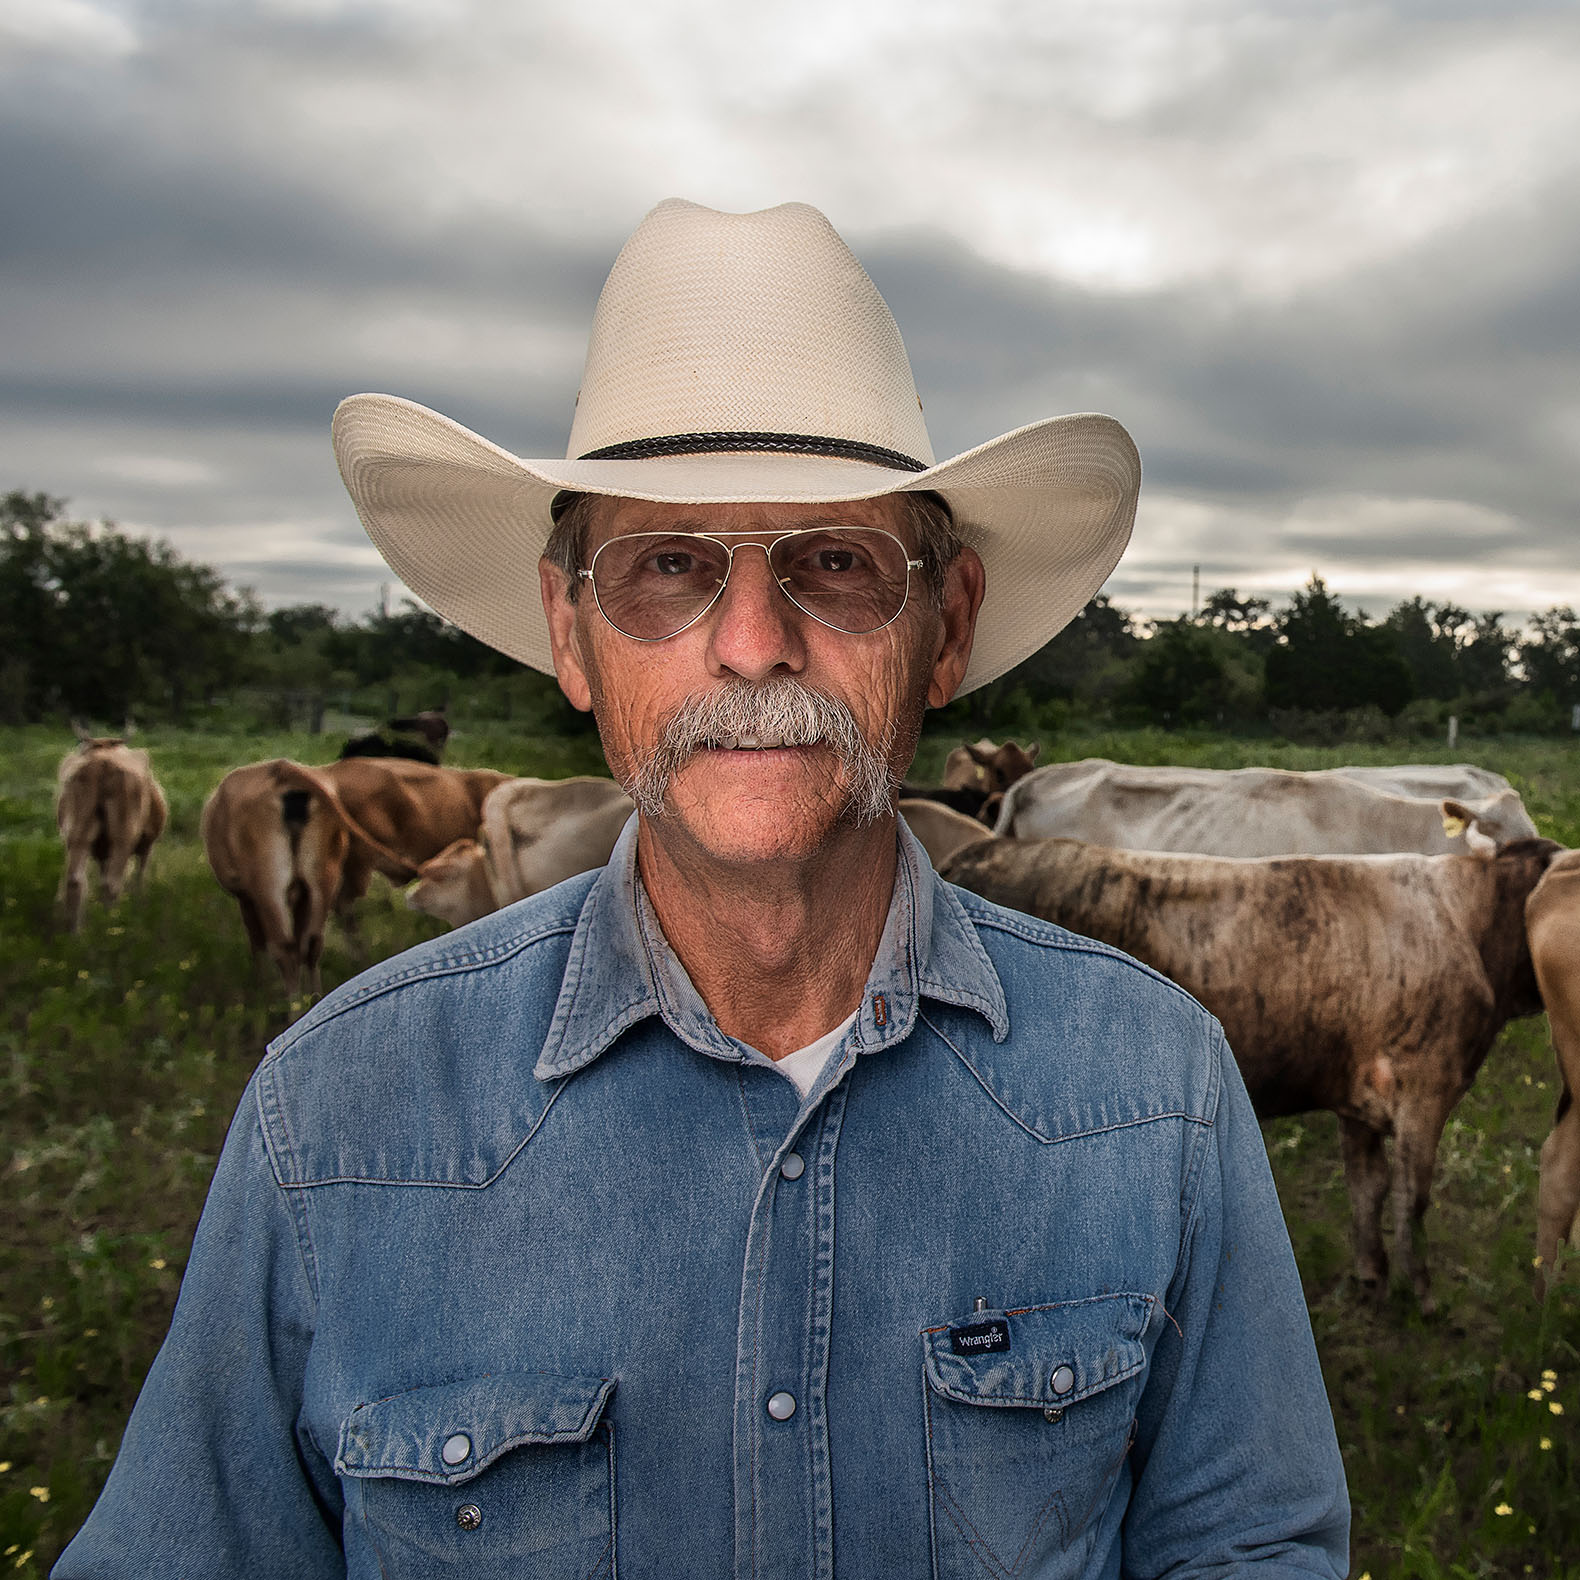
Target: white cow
(535, 833)
(1463, 781)
(1243, 811)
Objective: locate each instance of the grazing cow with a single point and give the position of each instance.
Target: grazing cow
(109, 808)
(454, 885)
(1372, 986)
(535, 833)
(941, 830)
(420, 737)
(1552, 925)
(975, 778)
(1240, 812)
(292, 842)
(538, 832)
(987, 767)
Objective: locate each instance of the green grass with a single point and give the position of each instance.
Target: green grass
(123, 1051)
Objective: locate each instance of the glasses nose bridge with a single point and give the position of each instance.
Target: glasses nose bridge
(729, 557)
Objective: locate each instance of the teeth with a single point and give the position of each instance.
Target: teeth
(748, 743)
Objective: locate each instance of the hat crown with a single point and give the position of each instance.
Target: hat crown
(744, 323)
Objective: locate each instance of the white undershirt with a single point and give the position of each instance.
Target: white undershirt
(806, 1064)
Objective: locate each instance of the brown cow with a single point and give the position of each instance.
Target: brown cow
(1372, 986)
(454, 885)
(1552, 925)
(292, 843)
(987, 767)
(109, 808)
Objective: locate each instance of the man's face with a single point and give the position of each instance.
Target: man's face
(743, 804)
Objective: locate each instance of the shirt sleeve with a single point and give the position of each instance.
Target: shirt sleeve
(1236, 1461)
(217, 1475)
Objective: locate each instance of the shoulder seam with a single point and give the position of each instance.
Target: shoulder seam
(450, 965)
(1061, 938)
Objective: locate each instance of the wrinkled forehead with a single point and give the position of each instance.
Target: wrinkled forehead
(617, 518)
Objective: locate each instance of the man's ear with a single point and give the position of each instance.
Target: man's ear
(564, 635)
(964, 584)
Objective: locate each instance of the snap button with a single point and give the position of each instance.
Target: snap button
(793, 1167)
(1053, 1413)
(781, 1406)
(456, 1448)
(1063, 1380)
(469, 1516)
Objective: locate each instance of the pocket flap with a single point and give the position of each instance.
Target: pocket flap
(1040, 1355)
(448, 1433)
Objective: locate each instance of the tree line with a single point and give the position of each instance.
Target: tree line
(104, 625)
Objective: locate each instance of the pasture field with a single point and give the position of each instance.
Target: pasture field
(123, 1051)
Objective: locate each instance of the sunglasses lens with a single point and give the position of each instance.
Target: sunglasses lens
(652, 584)
(854, 579)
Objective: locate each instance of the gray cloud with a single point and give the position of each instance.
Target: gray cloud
(1323, 261)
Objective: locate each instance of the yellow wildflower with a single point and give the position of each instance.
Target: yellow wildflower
(1548, 1385)
(5, 1465)
(1546, 1442)
(1503, 1508)
(41, 1493)
(1535, 1394)
(1549, 1375)
(1555, 1407)
(24, 1560)
(159, 1264)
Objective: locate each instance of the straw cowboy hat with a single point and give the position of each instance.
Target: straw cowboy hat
(738, 357)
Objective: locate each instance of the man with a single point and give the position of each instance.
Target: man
(759, 1206)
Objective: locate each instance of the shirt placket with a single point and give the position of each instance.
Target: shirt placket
(783, 1490)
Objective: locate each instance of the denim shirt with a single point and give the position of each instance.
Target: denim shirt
(515, 1264)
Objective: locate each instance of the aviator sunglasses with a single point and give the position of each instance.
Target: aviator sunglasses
(653, 585)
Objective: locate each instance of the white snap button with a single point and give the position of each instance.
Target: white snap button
(456, 1448)
(781, 1406)
(1063, 1380)
(793, 1167)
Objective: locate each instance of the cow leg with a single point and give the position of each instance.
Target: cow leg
(355, 877)
(73, 893)
(1558, 1193)
(112, 871)
(1366, 1175)
(1414, 1159)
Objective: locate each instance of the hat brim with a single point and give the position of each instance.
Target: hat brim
(463, 523)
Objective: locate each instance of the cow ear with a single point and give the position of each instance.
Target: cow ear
(1457, 817)
(1033, 749)
(979, 754)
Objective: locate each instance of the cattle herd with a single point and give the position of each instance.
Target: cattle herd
(1363, 934)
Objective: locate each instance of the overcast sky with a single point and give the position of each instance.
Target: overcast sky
(1322, 259)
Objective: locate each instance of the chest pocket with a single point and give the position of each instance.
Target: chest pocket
(1030, 1415)
(505, 1475)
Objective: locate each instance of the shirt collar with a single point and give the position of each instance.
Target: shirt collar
(621, 970)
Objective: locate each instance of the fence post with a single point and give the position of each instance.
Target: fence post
(1453, 729)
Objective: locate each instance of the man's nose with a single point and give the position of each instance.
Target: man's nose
(755, 627)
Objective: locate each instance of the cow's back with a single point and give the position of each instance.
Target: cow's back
(1243, 812)
(1309, 963)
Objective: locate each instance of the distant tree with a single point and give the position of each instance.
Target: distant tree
(1248, 617)
(100, 623)
(1328, 660)
(1085, 653)
(1429, 650)
(1190, 673)
(1486, 657)
(1550, 655)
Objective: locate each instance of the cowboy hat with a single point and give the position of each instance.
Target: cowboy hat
(738, 357)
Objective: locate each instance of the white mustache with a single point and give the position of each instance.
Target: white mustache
(741, 715)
